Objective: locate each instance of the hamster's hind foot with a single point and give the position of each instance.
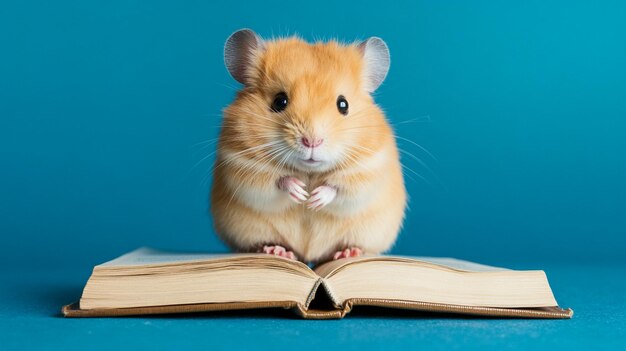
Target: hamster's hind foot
(278, 250)
(347, 253)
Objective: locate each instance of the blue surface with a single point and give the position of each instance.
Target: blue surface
(103, 105)
(30, 300)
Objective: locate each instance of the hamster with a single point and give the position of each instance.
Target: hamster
(307, 165)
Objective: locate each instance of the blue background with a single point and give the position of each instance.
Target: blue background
(105, 105)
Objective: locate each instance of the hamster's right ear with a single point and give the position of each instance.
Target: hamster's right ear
(376, 57)
(240, 52)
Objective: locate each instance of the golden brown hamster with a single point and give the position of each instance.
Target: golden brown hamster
(307, 165)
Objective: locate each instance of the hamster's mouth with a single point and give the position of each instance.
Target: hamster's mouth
(311, 162)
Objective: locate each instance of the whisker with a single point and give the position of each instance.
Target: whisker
(209, 141)
(417, 174)
(235, 154)
(425, 166)
(410, 141)
(201, 160)
(419, 146)
(425, 118)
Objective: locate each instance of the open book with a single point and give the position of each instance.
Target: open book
(147, 281)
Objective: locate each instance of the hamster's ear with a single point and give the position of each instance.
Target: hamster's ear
(240, 52)
(376, 58)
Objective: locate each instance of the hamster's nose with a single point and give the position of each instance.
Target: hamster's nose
(311, 142)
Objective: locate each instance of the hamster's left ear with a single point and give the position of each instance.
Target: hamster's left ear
(241, 50)
(376, 58)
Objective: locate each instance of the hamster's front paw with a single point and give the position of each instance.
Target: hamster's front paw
(295, 188)
(321, 196)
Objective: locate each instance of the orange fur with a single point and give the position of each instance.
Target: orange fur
(248, 208)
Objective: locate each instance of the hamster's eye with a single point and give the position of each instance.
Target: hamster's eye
(280, 102)
(342, 105)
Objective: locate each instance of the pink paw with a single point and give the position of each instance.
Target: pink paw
(295, 188)
(280, 251)
(321, 196)
(349, 252)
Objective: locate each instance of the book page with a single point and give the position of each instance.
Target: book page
(147, 256)
(329, 268)
(461, 265)
(144, 258)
